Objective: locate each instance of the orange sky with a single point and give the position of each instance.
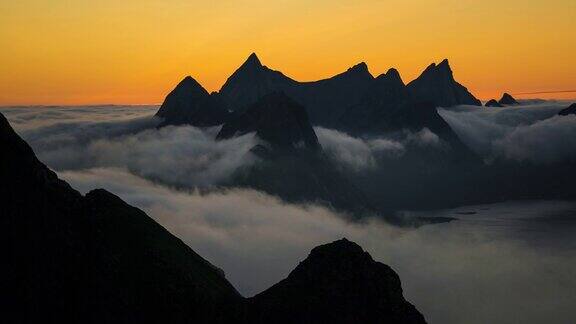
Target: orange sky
(134, 52)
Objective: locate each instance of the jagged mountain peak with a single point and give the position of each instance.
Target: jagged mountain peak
(444, 64)
(492, 103)
(392, 75)
(190, 84)
(189, 103)
(361, 67)
(441, 69)
(507, 99)
(358, 70)
(252, 62)
(437, 85)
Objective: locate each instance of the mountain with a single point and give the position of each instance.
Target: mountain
(325, 99)
(292, 164)
(339, 273)
(94, 258)
(493, 103)
(385, 94)
(189, 103)
(507, 99)
(571, 110)
(437, 85)
(70, 258)
(276, 119)
(251, 81)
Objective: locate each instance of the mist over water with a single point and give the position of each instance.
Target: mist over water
(510, 262)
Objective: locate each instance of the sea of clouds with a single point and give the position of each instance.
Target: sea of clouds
(531, 132)
(508, 263)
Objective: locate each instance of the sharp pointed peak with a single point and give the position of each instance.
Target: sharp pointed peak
(444, 62)
(189, 81)
(393, 73)
(444, 65)
(362, 66)
(252, 60)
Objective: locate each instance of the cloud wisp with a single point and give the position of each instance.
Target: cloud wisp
(359, 154)
(177, 156)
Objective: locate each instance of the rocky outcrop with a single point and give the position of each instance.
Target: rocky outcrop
(507, 100)
(437, 85)
(190, 104)
(492, 103)
(336, 283)
(571, 110)
(276, 119)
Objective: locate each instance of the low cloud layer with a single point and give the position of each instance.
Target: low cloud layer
(178, 156)
(529, 132)
(487, 268)
(360, 154)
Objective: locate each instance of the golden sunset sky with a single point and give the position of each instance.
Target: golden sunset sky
(134, 52)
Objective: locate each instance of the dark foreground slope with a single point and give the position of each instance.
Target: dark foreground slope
(69, 258)
(93, 258)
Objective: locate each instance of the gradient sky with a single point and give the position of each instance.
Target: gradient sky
(134, 52)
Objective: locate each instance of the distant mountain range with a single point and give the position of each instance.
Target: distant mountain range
(282, 112)
(70, 258)
(325, 100)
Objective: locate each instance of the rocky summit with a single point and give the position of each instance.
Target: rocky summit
(342, 274)
(437, 85)
(492, 103)
(507, 99)
(190, 104)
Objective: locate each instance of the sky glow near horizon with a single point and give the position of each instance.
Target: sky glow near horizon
(129, 52)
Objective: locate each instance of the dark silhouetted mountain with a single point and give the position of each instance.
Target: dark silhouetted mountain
(325, 99)
(384, 94)
(95, 259)
(276, 119)
(437, 85)
(493, 103)
(571, 110)
(190, 104)
(507, 99)
(292, 164)
(251, 82)
(336, 283)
